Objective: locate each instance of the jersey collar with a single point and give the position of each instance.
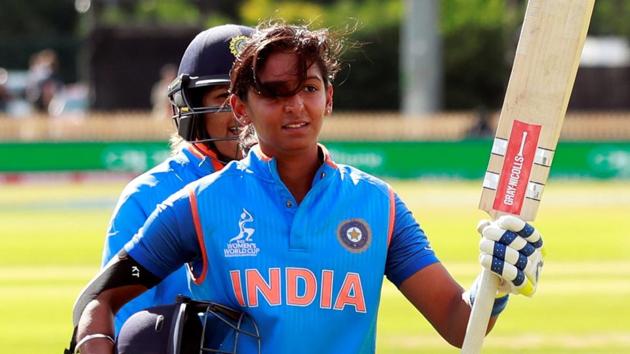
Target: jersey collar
(203, 157)
(265, 166)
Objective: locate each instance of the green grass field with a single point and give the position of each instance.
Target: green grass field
(51, 237)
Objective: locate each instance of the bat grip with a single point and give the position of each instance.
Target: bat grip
(480, 313)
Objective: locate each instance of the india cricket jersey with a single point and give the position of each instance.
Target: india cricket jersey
(310, 274)
(139, 198)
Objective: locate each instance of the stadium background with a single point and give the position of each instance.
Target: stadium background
(60, 174)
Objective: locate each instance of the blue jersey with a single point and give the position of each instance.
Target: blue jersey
(139, 198)
(309, 274)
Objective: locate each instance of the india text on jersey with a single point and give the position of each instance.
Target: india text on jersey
(250, 288)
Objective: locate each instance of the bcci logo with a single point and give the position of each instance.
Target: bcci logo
(242, 244)
(237, 44)
(354, 235)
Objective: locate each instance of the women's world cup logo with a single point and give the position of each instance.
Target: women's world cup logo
(354, 235)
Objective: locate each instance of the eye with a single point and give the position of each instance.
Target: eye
(311, 88)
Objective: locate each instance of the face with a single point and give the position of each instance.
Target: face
(222, 124)
(286, 125)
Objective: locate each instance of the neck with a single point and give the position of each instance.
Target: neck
(297, 171)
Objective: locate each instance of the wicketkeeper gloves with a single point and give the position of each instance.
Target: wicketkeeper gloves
(512, 249)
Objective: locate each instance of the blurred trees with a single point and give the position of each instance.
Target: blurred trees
(478, 37)
(26, 27)
(475, 36)
(369, 79)
(37, 17)
(611, 18)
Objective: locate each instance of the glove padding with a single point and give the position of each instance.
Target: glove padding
(512, 249)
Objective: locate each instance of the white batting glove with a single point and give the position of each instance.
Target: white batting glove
(512, 249)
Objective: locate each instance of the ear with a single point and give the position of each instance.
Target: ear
(329, 99)
(239, 109)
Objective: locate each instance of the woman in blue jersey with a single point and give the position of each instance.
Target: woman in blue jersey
(205, 141)
(294, 240)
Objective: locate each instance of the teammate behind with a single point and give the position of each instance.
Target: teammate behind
(303, 243)
(206, 139)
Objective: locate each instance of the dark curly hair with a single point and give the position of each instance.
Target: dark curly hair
(311, 46)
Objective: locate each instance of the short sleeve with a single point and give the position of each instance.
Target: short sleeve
(409, 250)
(168, 239)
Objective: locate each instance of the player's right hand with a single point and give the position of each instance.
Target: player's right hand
(512, 249)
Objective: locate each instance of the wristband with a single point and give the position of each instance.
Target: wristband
(500, 301)
(89, 337)
(499, 305)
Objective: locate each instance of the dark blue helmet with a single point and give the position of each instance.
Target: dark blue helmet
(188, 327)
(206, 62)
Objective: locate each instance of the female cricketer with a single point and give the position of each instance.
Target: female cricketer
(294, 240)
(206, 139)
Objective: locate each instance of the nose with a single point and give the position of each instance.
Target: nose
(293, 104)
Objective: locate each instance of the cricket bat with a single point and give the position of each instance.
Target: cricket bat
(538, 92)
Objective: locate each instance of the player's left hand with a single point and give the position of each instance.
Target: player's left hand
(512, 249)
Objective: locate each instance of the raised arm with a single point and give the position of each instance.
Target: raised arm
(438, 297)
(509, 247)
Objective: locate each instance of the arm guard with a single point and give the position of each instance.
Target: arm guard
(121, 271)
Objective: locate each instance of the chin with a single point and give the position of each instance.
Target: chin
(229, 151)
(299, 145)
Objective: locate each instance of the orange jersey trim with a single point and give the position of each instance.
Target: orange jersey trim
(261, 154)
(392, 215)
(327, 159)
(201, 151)
(200, 238)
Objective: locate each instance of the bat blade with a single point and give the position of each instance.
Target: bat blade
(545, 65)
(543, 73)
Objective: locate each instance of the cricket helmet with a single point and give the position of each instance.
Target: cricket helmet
(206, 63)
(188, 327)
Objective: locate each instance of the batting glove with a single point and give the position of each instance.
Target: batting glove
(512, 249)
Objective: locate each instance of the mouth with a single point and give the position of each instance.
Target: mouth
(233, 130)
(295, 125)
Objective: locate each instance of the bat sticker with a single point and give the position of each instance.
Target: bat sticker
(517, 165)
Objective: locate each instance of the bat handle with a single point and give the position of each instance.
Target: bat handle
(480, 313)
